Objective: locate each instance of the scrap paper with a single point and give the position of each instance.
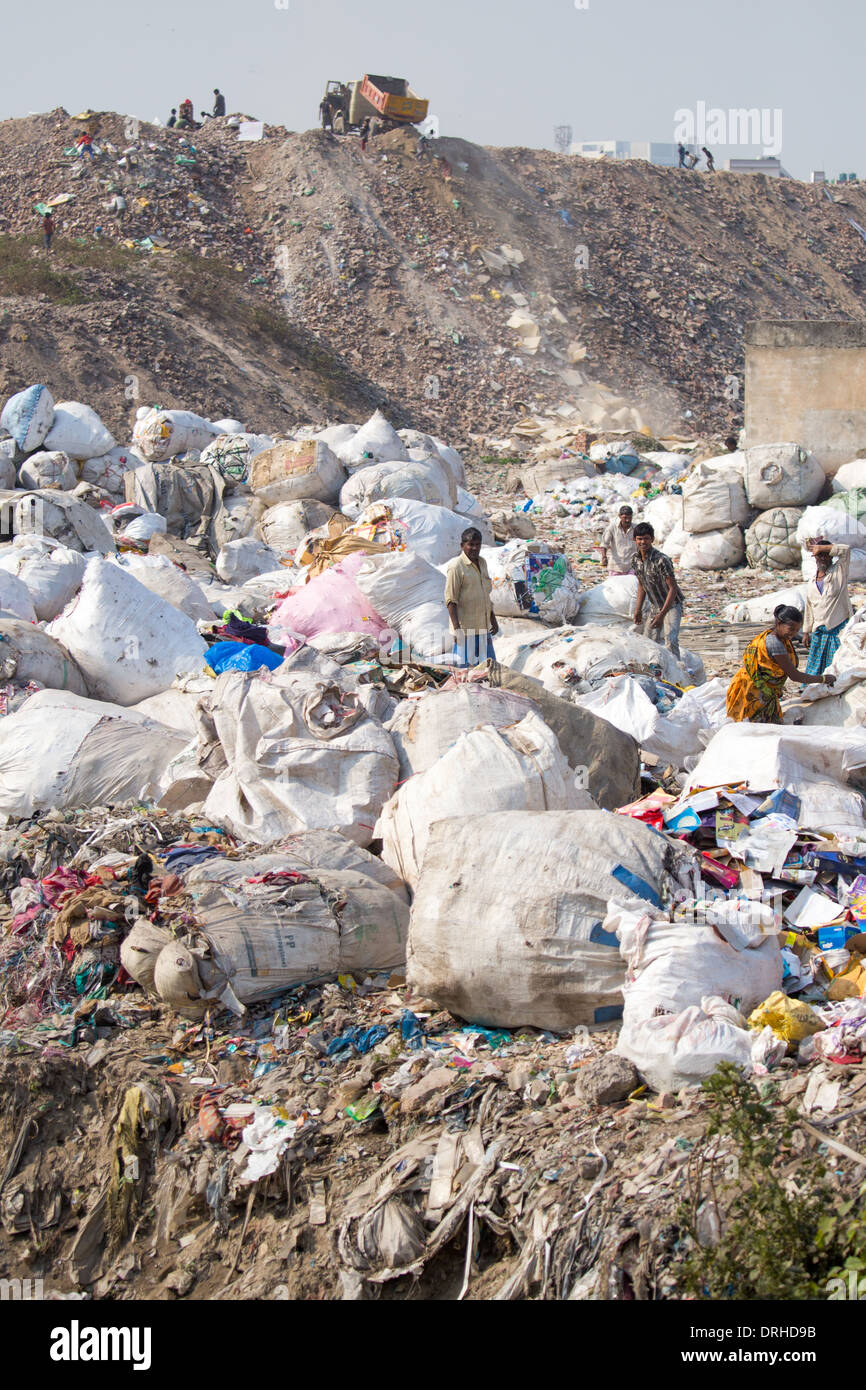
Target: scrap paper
(811, 909)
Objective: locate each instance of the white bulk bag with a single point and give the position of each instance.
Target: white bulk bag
(426, 482)
(27, 416)
(454, 461)
(159, 435)
(714, 550)
(243, 559)
(713, 499)
(850, 475)
(664, 513)
(410, 596)
(836, 526)
(335, 436)
(771, 540)
(520, 768)
(162, 577)
(128, 642)
(15, 597)
(301, 754)
(233, 453)
(506, 926)
(253, 941)
(305, 849)
(27, 653)
(61, 516)
(782, 475)
(45, 469)
(612, 601)
(142, 527)
(284, 526)
(52, 577)
(422, 528)
(374, 442)
(469, 507)
(78, 431)
(424, 728)
(95, 755)
(562, 659)
(108, 470)
(295, 471)
(761, 608)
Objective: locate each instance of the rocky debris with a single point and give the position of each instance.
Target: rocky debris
(607, 1080)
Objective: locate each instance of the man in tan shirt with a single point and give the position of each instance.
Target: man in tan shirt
(467, 598)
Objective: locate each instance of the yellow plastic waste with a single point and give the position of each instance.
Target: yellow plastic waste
(790, 1019)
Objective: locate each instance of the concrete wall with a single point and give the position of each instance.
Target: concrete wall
(806, 382)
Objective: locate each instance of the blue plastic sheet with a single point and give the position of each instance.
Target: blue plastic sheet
(241, 656)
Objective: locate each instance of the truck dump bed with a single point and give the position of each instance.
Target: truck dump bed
(394, 99)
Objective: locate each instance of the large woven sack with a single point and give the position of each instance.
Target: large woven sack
(506, 926)
(771, 540)
(296, 471)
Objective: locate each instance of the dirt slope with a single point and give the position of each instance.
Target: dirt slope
(298, 277)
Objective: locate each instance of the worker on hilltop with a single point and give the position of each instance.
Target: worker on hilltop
(84, 143)
(186, 116)
(47, 230)
(657, 582)
(711, 163)
(467, 597)
(172, 120)
(828, 606)
(681, 151)
(754, 695)
(618, 548)
(219, 102)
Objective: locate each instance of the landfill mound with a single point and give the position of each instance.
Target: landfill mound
(450, 286)
(347, 955)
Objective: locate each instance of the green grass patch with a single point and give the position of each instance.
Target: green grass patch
(26, 270)
(761, 1218)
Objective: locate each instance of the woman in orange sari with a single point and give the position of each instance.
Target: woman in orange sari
(755, 692)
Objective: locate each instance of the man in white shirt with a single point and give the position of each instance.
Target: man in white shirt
(617, 544)
(828, 606)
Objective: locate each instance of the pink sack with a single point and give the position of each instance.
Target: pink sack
(331, 602)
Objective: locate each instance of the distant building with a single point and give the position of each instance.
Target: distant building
(765, 164)
(651, 150)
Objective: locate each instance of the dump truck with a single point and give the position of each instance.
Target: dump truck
(385, 101)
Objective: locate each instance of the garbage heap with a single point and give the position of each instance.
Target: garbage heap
(318, 881)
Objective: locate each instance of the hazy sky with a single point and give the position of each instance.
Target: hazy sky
(502, 72)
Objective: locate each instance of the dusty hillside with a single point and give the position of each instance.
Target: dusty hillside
(297, 277)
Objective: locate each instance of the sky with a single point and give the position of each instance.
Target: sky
(497, 72)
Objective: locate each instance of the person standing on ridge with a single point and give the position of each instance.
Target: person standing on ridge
(467, 597)
(172, 120)
(711, 163)
(219, 102)
(681, 151)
